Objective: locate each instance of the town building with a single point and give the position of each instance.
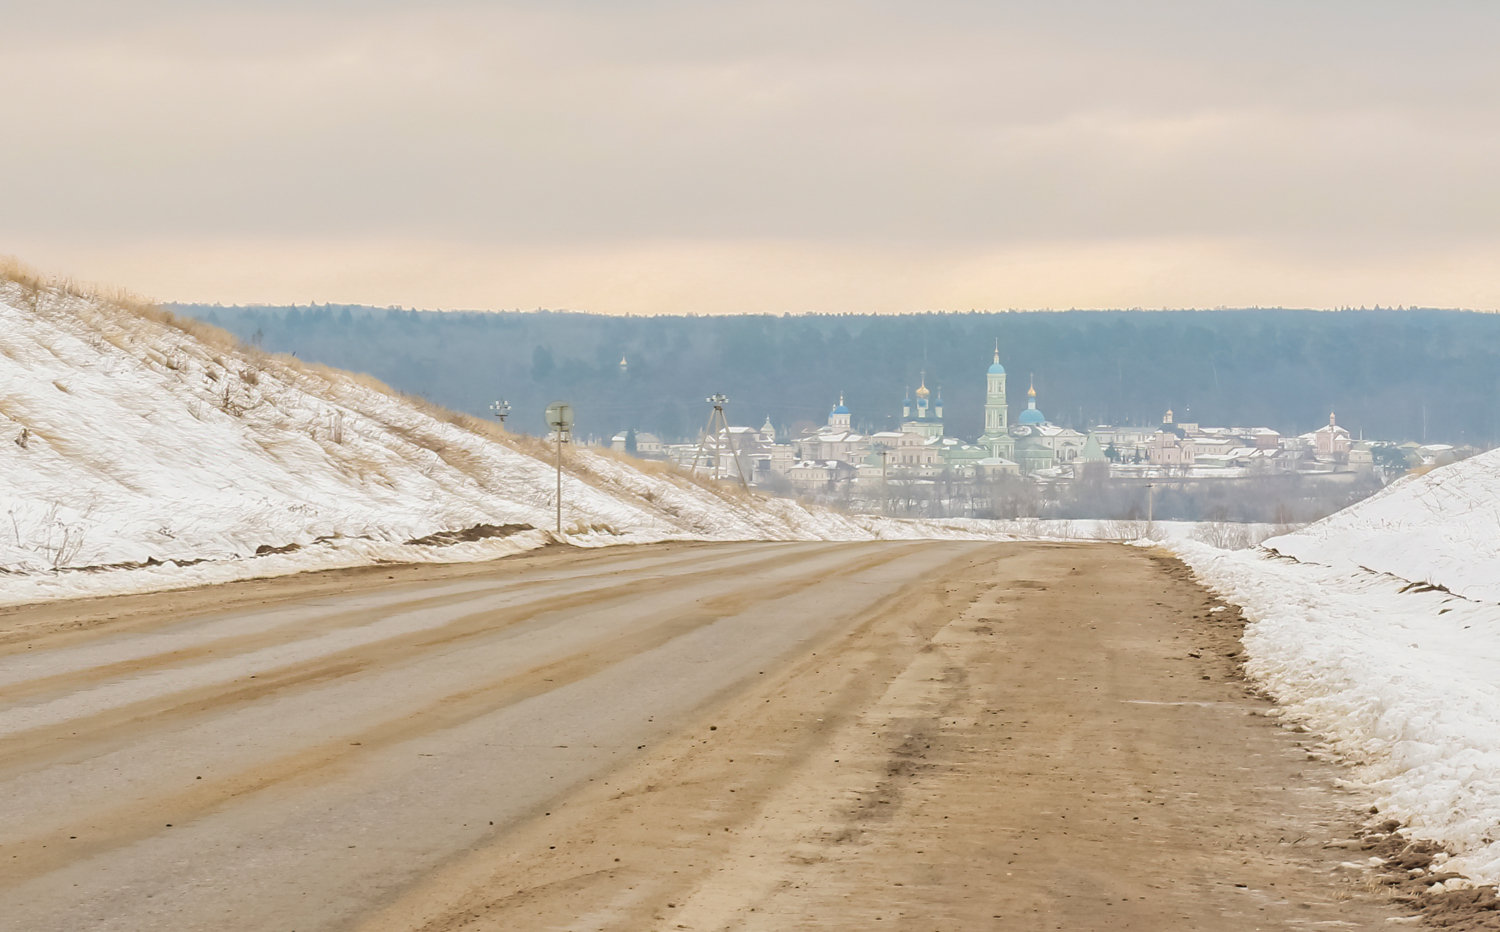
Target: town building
(835, 441)
(1172, 445)
(647, 446)
(1330, 442)
(814, 476)
(926, 417)
(1040, 445)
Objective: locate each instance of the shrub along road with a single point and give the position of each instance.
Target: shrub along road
(929, 736)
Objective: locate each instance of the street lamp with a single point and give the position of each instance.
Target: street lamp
(501, 409)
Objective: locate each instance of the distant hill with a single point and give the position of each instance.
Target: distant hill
(1391, 374)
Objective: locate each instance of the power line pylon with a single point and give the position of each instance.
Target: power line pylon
(718, 428)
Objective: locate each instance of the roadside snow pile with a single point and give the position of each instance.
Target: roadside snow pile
(1361, 643)
(156, 453)
(1442, 528)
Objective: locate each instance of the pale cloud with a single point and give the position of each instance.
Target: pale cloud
(758, 156)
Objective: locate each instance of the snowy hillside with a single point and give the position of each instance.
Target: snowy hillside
(158, 452)
(1439, 528)
(1379, 627)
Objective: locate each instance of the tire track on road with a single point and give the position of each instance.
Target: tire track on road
(59, 624)
(76, 668)
(621, 849)
(38, 854)
(295, 662)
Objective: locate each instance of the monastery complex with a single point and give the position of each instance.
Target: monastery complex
(834, 455)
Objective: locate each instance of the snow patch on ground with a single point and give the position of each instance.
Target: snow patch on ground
(1386, 640)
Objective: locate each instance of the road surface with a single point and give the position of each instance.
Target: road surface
(915, 735)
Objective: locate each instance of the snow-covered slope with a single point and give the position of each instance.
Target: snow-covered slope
(1441, 528)
(1350, 632)
(157, 452)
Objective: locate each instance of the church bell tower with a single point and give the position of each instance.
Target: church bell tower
(996, 434)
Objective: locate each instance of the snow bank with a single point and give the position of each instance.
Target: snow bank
(1441, 528)
(139, 452)
(1357, 643)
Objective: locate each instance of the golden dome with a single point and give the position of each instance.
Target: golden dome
(922, 391)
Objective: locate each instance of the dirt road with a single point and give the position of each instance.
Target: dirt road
(927, 736)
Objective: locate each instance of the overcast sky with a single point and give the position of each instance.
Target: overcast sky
(714, 157)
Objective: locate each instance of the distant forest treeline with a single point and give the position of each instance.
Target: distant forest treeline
(1398, 375)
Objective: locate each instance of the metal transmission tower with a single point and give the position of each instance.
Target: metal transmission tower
(718, 428)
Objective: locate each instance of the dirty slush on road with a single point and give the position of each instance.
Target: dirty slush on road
(1041, 736)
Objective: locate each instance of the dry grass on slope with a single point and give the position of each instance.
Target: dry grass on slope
(37, 289)
(143, 328)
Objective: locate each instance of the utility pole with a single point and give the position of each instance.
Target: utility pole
(882, 450)
(716, 424)
(560, 419)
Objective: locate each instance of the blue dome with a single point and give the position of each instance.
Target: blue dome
(840, 409)
(997, 369)
(1031, 416)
